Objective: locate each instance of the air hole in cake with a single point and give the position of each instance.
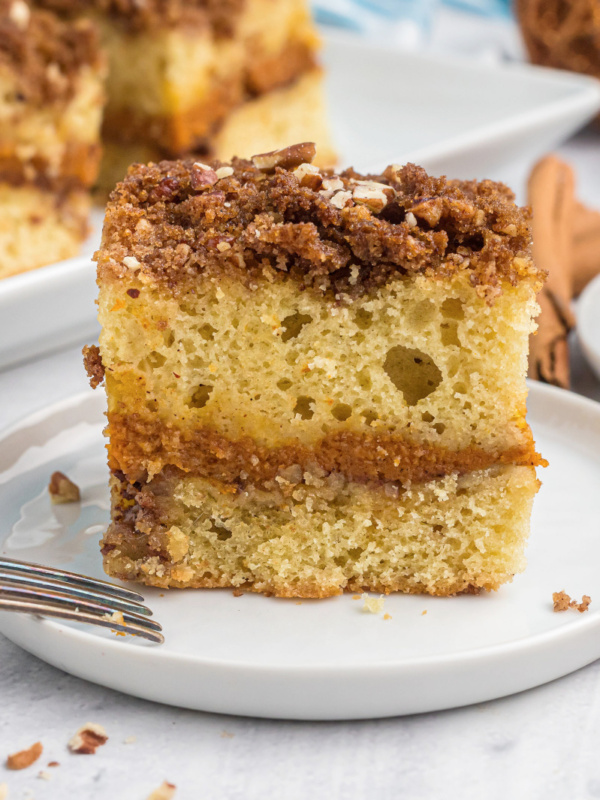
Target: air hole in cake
(341, 412)
(222, 532)
(412, 372)
(437, 528)
(291, 358)
(440, 427)
(364, 380)
(304, 407)
(169, 338)
(284, 384)
(450, 334)
(156, 359)
(200, 397)
(453, 308)
(427, 417)
(460, 388)
(207, 332)
(363, 319)
(369, 416)
(422, 314)
(293, 324)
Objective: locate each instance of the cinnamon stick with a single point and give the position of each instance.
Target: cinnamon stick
(551, 195)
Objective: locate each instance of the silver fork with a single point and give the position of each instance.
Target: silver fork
(48, 592)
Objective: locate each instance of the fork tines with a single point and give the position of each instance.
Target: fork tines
(36, 589)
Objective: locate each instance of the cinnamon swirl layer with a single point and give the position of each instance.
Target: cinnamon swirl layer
(322, 537)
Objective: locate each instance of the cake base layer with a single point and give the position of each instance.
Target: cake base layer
(316, 535)
(292, 114)
(38, 227)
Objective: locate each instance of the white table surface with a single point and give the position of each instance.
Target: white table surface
(540, 744)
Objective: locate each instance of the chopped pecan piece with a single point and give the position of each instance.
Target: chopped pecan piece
(88, 739)
(62, 489)
(203, 176)
(25, 758)
(288, 158)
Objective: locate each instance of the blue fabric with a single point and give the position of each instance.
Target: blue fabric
(362, 15)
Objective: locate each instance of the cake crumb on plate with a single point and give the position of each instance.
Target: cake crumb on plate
(562, 602)
(372, 605)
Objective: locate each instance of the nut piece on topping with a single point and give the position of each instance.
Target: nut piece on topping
(288, 158)
(62, 489)
(340, 199)
(373, 195)
(309, 176)
(88, 739)
(165, 791)
(19, 13)
(202, 176)
(224, 172)
(25, 758)
(430, 210)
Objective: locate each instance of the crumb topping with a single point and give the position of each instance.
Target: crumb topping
(92, 361)
(152, 14)
(340, 235)
(43, 53)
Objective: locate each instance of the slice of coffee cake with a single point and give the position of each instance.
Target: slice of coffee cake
(51, 80)
(315, 382)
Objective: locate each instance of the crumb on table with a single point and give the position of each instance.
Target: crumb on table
(562, 602)
(25, 758)
(88, 739)
(164, 792)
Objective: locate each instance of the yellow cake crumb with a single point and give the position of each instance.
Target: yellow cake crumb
(372, 605)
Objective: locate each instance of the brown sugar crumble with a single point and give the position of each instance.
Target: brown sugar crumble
(562, 602)
(342, 236)
(92, 362)
(45, 53)
(24, 758)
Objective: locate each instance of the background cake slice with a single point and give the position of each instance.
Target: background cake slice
(192, 77)
(316, 383)
(51, 80)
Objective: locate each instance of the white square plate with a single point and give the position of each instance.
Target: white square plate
(453, 116)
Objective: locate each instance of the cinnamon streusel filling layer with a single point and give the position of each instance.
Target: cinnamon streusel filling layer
(140, 446)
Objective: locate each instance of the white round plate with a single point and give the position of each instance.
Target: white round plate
(316, 659)
(588, 323)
